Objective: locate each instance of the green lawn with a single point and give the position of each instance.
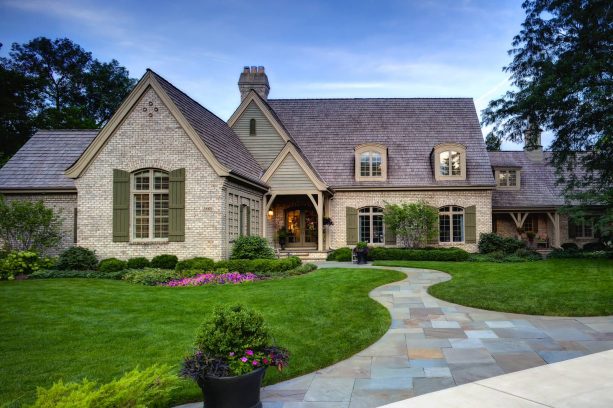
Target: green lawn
(557, 287)
(70, 329)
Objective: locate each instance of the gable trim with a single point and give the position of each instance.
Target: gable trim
(255, 98)
(290, 149)
(148, 81)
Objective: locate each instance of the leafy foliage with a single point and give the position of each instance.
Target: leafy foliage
(413, 223)
(22, 263)
(562, 70)
(138, 263)
(57, 274)
(198, 263)
(112, 265)
(77, 259)
(340, 255)
(492, 143)
(232, 329)
(261, 267)
(492, 242)
(164, 261)
(251, 247)
(151, 387)
(29, 226)
(401, 254)
(150, 276)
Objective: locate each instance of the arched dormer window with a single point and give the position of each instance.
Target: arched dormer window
(252, 128)
(450, 162)
(370, 162)
(150, 204)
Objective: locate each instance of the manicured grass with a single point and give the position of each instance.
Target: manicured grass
(556, 287)
(74, 328)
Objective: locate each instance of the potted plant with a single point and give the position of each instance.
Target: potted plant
(361, 251)
(232, 353)
(282, 237)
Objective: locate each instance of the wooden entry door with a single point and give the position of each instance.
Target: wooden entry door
(301, 226)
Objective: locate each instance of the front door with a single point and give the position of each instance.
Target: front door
(301, 226)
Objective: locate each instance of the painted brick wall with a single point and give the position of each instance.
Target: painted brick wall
(481, 199)
(64, 205)
(151, 139)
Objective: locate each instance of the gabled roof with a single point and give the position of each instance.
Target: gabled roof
(40, 163)
(212, 136)
(537, 182)
(327, 131)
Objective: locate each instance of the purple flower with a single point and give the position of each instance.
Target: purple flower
(244, 359)
(231, 354)
(249, 352)
(255, 362)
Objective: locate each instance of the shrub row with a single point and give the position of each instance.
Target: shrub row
(340, 255)
(435, 254)
(51, 274)
(579, 254)
(492, 242)
(521, 255)
(261, 267)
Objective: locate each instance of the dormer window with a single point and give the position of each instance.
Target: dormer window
(507, 178)
(252, 128)
(449, 162)
(371, 162)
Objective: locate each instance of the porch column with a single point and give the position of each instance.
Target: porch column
(320, 221)
(267, 204)
(519, 219)
(555, 220)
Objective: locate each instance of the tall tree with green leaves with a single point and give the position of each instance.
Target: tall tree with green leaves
(59, 85)
(562, 72)
(492, 143)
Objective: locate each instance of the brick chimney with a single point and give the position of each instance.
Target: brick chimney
(254, 78)
(532, 142)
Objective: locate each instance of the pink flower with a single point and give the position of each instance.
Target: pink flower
(249, 352)
(265, 360)
(231, 354)
(255, 362)
(244, 359)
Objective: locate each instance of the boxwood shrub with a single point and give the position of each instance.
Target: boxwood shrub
(340, 255)
(200, 263)
(150, 276)
(56, 274)
(112, 265)
(252, 247)
(164, 261)
(260, 267)
(402, 254)
(492, 242)
(77, 259)
(138, 263)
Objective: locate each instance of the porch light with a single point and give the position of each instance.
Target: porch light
(270, 213)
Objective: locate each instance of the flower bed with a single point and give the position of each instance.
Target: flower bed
(211, 278)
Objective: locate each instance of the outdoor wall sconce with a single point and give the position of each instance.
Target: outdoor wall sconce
(270, 213)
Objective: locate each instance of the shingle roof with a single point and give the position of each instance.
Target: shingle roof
(327, 131)
(537, 182)
(41, 162)
(215, 133)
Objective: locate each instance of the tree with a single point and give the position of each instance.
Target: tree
(59, 85)
(562, 72)
(492, 143)
(29, 226)
(414, 224)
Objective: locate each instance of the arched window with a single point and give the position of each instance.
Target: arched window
(370, 162)
(451, 224)
(150, 204)
(370, 225)
(252, 128)
(450, 162)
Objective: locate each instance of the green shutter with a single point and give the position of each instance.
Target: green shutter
(470, 224)
(390, 236)
(435, 238)
(176, 206)
(572, 228)
(248, 209)
(121, 206)
(351, 225)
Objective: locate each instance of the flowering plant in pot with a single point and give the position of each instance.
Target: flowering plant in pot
(232, 353)
(361, 250)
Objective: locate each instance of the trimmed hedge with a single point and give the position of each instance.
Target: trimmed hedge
(340, 255)
(164, 261)
(112, 265)
(492, 242)
(199, 263)
(572, 254)
(252, 247)
(77, 259)
(56, 274)
(260, 267)
(138, 263)
(401, 254)
(150, 276)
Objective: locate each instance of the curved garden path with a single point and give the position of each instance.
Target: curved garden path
(433, 344)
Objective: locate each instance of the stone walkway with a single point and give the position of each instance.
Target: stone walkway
(433, 345)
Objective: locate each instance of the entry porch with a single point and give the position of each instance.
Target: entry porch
(542, 225)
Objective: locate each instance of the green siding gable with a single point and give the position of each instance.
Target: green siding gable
(290, 176)
(267, 142)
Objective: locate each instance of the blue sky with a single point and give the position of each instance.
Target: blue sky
(424, 48)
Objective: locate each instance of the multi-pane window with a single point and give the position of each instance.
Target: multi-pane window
(150, 204)
(370, 225)
(243, 215)
(370, 164)
(507, 178)
(584, 228)
(450, 163)
(451, 224)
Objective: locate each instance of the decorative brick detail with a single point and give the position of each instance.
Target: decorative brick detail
(482, 199)
(156, 141)
(64, 205)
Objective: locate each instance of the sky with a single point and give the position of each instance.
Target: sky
(310, 48)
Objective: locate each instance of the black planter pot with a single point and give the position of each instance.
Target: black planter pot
(242, 391)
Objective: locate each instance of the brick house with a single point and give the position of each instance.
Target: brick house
(165, 175)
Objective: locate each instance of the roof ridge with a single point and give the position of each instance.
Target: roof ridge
(377, 98)
(67, 130)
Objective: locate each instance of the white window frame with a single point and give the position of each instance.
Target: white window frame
(500, 171)
(370, 149)
(151, 192)
(372, 210)
(450, 212)
(449, 147)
